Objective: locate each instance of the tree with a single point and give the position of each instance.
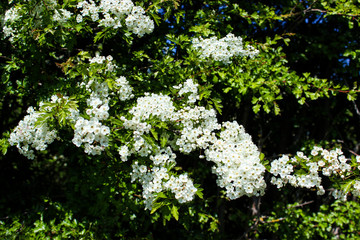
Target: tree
(141, 119)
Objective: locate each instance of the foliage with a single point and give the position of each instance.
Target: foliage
(336, 221)
(61, 227)
(149, 119)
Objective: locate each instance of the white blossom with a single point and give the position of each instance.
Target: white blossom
(328, 163)
(223, 49)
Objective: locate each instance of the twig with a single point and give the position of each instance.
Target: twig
(302, 204)
(356, 108)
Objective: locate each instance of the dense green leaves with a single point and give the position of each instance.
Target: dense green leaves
(300, 90)
(340, 220)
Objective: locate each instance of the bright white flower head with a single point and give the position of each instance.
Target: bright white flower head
(111, 13)
(237, 162)
(125, 90)
(328, 162)
(62, 16)
(189, 87)
(223, 49)
(30, 135)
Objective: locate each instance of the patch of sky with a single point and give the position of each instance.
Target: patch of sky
(161, 11)
(205, 6)
(170, 45)
(319, 19)
(344, 61)
(222, 7)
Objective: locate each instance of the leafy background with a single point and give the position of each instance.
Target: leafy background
(301, 90)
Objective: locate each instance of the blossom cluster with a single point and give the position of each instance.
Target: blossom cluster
(124, 153)
(151, 105)
(62, 16)
(236, 158)
(91, 132)
(189, 87)
(157, 179)
(31, 134)
(193, 127)
(124, 89)
(198, 126)
(12, 24)
(112, 13)
(356, 190)
(328, 163)
(237, 162)
(223, 49)
(108, 61)
(138, 23)
(11, 16)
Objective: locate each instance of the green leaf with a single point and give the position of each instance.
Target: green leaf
(163, 139)
(155, 17)
(256, 108)
(276, 108)
(262, 156)
(175, 212)
(156, 206)
(161, 195)
(346, 187)
(217, 104)
(226, 90)
(200, 193)
(154, 133)
(4, 145)
(351, 96)
(150, 140)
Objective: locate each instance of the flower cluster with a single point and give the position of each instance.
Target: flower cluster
(223, 49)
(157, 179)
(124, 153)
(62, 16)
(12, 24)
(99, 108)
(151, 105)
(31, 134)
(187, 128)
(236, 158)
(138, 23)
(112, 13)
(283, 167)
(356, 190)
(198, 126)
(189, 87)
(329, 163)
(155, 105)
(99, 60)
(125, 90)
(237, 162)
(11, 16)
(92, 134)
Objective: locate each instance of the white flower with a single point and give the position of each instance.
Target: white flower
(223, 49)
(62, 16)
(29, 135)
(138, 23)
(321, 163)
